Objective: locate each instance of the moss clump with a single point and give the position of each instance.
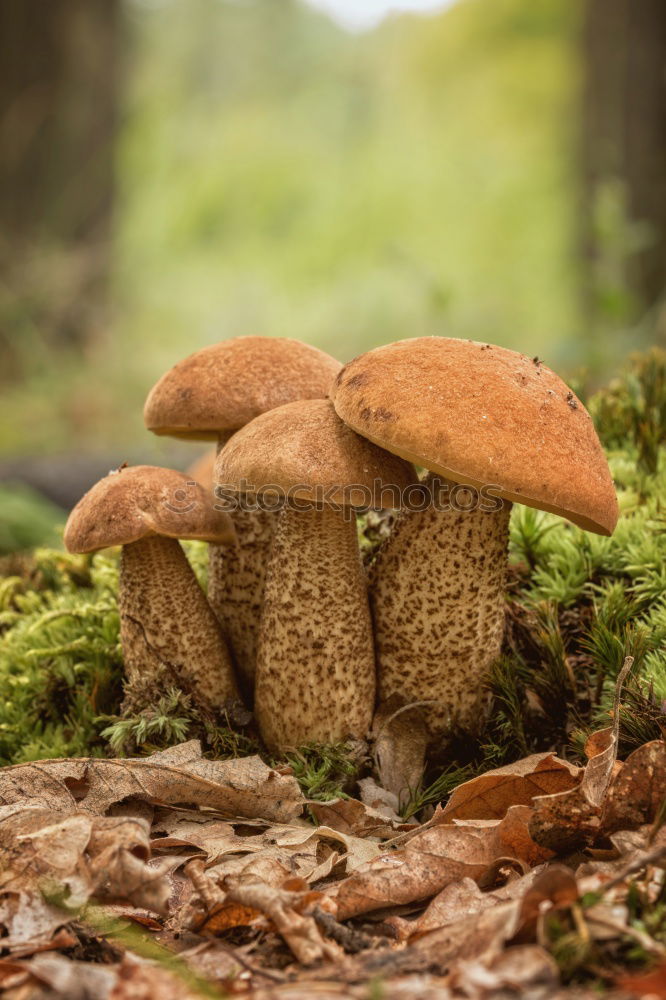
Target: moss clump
(577, 605)
(60, 660)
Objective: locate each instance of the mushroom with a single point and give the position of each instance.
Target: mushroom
(315, 679)
(166, 623)
(510, 431)
(210, 395)
(201, 470)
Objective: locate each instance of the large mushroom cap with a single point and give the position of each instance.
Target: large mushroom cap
(223, 387)
(304, 449)
(143, 500)
(482, 415)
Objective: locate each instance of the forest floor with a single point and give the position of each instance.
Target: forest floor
(150, 854)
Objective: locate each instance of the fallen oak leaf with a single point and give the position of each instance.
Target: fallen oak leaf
(64, 977)
(435, 856)
(516, 971)
(639, 789)
(457, 900)
(489, 795)
(567, 820)
(350, 816)
(244, 786)
(28, 922)
(72, 858)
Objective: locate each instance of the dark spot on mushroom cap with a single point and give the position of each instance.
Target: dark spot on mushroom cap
(356, 381)
(571, 400)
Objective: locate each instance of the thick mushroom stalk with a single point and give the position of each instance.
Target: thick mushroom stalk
(315, 660)
(237, 575)
(236, 581)
(437, 637)
(167, 627)
(315, 665)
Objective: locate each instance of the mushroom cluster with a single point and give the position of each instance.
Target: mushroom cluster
(291, 623)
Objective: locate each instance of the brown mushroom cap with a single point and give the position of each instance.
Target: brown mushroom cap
(223, 387)
(202, 469)
(305, 448)
(143, 500)
(482, 415)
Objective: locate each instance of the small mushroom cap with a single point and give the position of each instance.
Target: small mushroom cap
(143, 500)
(202, 469)
(223, 387)
(484, 416)
(304, 449)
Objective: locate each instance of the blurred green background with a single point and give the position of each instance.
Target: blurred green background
(175, 172)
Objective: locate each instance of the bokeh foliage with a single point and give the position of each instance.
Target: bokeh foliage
(277, 175)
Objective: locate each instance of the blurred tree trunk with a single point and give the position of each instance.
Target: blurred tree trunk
(58, 100)
(624, 156)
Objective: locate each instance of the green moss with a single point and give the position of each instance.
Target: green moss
(326, 772)
(60, 660)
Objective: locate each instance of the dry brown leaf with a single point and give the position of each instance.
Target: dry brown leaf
(638, 790)
(61, 977)
(572, 819)
(297, 849)
(27, 921)
(481, 934)
(435, 856)
(180, 775)
(78, 857)
(515, 971)
(431, 860)
(146, 981)
(650, 984)
(299, 930)
(400, 739)
(554, 886)
(380, 800)
(596, 743)
(490, 795)
(456, 901)
(356, 818)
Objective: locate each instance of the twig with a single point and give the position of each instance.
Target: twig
(351, 940)
(642, 861)
(276, 977)
(644, 940)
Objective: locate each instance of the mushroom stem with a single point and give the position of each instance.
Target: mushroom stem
(236, 580)
(315, 677)
(437, 600)
(167, 624)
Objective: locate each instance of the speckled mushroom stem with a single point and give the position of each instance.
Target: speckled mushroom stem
(236, 581)
(315, 677)
(167, 625)
(437, 600)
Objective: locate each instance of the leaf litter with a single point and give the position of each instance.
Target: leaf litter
(174, 876)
